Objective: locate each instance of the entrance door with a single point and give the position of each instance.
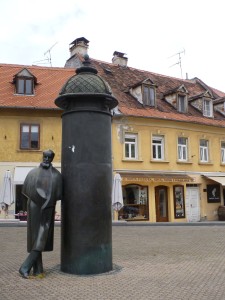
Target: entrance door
(161, 204)
(192, 204)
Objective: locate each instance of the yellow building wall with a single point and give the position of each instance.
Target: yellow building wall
(171, 130)
(10, 154)
(50, 134)
(50, 137)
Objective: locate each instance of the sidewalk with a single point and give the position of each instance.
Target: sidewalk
(16, 222)
(149, 262)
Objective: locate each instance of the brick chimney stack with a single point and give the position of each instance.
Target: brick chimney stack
(80, 45)
(119, 59)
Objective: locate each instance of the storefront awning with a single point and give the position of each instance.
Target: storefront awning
(219, 179)
(149, 177)
(20, 174)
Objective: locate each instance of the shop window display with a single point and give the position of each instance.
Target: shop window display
(135, 199)
(179, 206)
(21, 204)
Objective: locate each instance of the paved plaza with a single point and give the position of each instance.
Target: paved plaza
(149, 262)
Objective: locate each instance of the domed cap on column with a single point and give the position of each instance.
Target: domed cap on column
(85, 82)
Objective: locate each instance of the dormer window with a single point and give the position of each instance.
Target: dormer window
(178, 98)
(182, 103)
(24, 82)
(204, 103)
(207, 107)
(24, 86)
(148, 95)
(145, 92)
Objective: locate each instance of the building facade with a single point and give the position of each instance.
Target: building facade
(168, 135)
(29, 123)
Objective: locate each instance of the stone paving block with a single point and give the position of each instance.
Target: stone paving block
(157, 263)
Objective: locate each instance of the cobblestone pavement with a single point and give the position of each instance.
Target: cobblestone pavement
(158, 262)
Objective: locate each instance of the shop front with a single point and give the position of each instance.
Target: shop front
(135, 199)
(154, 197)
(18, 209)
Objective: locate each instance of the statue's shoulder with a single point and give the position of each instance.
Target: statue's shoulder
(33, 172)
(56, 172)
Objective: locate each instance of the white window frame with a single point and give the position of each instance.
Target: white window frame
(222, 152)
(149, 99)
(182, 149)
(204, 151)
(207, 107)
(158, 147)
(184, 99)
(131, 145)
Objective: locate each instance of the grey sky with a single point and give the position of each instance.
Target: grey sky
(150, 33)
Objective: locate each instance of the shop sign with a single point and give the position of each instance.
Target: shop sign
(157, 179)
(213, 193)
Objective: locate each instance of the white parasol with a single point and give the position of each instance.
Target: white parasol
(7, 191)
(117, 194)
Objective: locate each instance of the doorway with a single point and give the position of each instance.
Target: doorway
(192, 204)
(21, 201)
(161, 204)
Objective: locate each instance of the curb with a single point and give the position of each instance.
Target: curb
(18, 223)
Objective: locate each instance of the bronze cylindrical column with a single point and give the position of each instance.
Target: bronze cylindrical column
(86, 240)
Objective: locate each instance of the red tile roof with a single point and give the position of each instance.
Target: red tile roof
(122, 78)
(49, 84)
(50, 81)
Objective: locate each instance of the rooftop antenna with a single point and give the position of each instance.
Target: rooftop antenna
(48, 59)
(49, 53)
(179, 61)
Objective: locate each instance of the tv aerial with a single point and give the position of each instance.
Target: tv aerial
(49, 58)
(179, 61)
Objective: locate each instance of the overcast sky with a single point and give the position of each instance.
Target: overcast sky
(150, 32)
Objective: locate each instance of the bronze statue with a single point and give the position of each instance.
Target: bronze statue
(42, 187)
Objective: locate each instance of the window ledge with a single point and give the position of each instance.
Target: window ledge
(159, 161)
(184, 162)
(24, 95)
(132, 160)
(29, 150)
(210, 117)
(205, 163)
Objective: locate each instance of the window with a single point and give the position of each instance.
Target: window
(223, 152)
(148, 95)
(24, 86)
(131, 146)
(158, 147)
(182, 107)
(29, 136)
(24, 82)
(204, 151)
(182, 148)
(136, 206)
(207, 107)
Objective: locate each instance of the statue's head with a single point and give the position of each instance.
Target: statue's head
(48, 156)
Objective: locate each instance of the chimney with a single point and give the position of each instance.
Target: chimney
(119, 59)
(80, 45)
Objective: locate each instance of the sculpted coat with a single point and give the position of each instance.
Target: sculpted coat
(42, 187)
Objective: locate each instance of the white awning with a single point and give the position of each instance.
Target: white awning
(20, 174)
(219, 179)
